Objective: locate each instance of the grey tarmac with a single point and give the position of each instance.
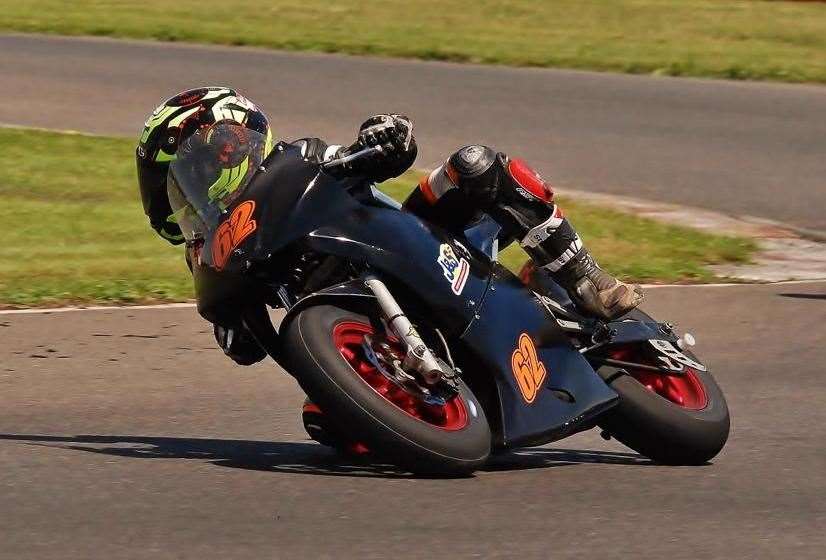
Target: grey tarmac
(127, 434)
(742, 148)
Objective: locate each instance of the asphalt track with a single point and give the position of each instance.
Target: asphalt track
(126, 434)
(746, 148)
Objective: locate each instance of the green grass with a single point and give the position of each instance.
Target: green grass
(717, 38)
(74, 229)
(73, 225)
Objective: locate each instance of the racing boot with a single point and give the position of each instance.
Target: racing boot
(595, 291)
(554, 246)
(557, 250)
(317, 426)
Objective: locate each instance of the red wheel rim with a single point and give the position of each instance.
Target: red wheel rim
(683, 389)
(349, 337)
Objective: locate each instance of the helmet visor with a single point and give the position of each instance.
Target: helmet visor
(211, 170)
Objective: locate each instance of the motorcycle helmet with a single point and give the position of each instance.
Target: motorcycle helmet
(169, 126)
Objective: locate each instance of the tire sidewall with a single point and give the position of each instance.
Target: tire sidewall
(330, 381)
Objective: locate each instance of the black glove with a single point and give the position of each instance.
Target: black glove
(394, 133)
(238, 344)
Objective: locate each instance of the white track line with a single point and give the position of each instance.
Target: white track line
(730, 284)
(58, 130)
(44, 311)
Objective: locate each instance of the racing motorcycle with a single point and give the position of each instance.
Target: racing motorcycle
(417, 344)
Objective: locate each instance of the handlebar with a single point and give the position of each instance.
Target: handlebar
(352, 157)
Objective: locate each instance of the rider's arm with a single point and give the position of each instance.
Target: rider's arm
(317, 150)
(238, 344)
(235, 340)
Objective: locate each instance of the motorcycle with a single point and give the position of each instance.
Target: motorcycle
(417, 344)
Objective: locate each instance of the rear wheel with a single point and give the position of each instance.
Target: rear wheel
(324, 347)
(678, 419)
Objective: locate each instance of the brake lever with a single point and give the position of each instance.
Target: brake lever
(352, 157)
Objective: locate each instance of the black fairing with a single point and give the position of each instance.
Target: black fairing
(292, 197)
(295, 202)
(405, 250)
(572, 395)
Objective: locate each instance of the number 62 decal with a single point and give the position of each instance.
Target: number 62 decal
(232, 232)
(528, 369)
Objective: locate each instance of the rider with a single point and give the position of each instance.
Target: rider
(473, 180)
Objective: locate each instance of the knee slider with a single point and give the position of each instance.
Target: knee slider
(472, 161)
(476, 171)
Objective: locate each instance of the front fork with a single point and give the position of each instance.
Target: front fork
(418, 356)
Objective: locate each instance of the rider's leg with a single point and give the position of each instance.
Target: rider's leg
(476, 178)
(316, 424)
(556, 249)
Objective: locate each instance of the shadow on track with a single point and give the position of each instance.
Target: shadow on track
(298, 457)
(804, 296)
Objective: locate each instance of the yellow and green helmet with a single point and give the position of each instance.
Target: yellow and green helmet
(169, 126)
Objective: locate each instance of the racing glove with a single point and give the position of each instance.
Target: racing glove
(239, 345)
(394, 133)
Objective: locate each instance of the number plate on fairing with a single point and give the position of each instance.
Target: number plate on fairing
(673, 358)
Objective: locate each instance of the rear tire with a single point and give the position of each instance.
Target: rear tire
(662, 430)
(645, 421)
(310, 353)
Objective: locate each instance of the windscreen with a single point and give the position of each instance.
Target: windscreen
(211, 170)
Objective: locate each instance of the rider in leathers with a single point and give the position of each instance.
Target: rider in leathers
(473, 180)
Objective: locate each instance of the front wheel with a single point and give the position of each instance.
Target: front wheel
(672, 419)
(324, 348)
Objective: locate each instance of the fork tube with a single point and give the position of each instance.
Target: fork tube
(419, 356)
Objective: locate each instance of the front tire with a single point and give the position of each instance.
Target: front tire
(321, 349)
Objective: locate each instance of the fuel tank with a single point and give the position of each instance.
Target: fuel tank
(419, 262)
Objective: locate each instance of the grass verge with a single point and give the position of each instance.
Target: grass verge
(717, 38)
(75, 230)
